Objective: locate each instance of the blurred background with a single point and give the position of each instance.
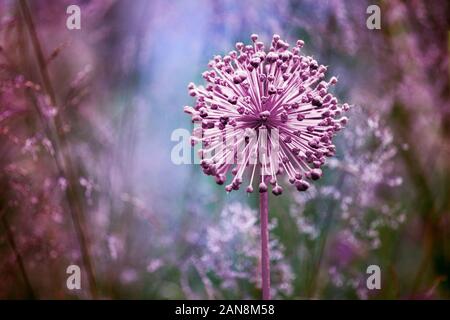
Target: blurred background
(86, 178)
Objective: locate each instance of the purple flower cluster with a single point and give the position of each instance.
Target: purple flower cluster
(274, 106)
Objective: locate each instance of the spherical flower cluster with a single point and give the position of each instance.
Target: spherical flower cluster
(273, 104)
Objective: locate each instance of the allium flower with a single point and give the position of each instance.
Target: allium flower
(267, 110)
(272, 106)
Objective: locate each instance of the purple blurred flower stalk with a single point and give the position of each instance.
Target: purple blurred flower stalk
(62, 157)
(270, 111)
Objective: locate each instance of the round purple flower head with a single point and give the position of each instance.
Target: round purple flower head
(269, 111)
